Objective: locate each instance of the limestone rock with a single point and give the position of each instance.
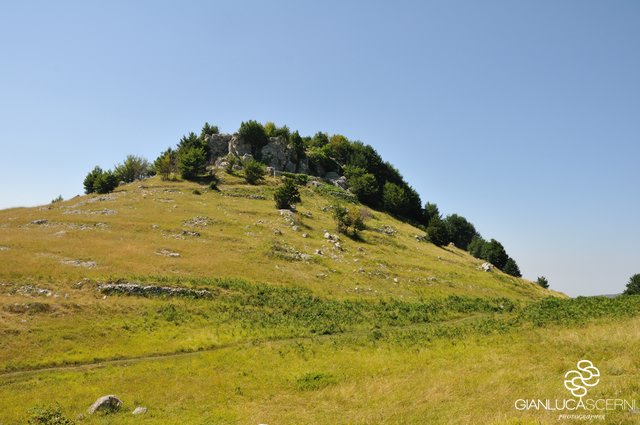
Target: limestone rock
(218, 144)
(487, 267)
(105, 403)
(238, 146)
(139, 410)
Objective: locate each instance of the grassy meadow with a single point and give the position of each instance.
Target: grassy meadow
(385, 328)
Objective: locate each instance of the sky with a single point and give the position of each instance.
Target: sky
(524, 116)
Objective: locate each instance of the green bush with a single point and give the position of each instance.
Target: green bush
(133, 168)
(633, 286)
(363, 184)
(49, 415)
(511, 268)
(286, 195)
(105, 182)
(165, 165)
(542, 281)
(314, 381)
(461, 232)
(90, 179)
(254, 171)
(349, 221)
(437, 232)
(299, 179)
(192, 162)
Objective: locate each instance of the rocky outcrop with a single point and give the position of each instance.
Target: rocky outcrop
(281, 157)
(238, 146)
(152, 290)
(107, 403)
(218, 144)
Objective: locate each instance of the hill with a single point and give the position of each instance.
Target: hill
(213, 306)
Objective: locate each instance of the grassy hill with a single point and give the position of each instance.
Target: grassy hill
(214, 307)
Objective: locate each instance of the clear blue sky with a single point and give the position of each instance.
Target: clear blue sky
(523, 116)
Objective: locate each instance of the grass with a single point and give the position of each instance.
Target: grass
(388, 329)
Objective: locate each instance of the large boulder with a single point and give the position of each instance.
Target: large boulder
(276, 153)
(238, 146)
(218, 144)
(107, 403)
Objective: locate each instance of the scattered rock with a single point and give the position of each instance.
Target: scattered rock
(198, 221)
(277, 231)
(4, 248)
(40, 222)
(294, 228)
(338, 246)
(305, 235)
(129, 288)
(487, 267)
(79, 263)
(167, 253)
(33, 290)
(340, 182)
(107, 403)
(319, 252)
(387, 230)
(139, 410)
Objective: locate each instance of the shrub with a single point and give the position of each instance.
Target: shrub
(542, 281)
(314, 381)
(349, 221)
(511, 268)
(192, 162)
(166, 164)
(253, 171)
(299, 179)
(253, 133)
(231, 161)
(90, 179)
(133, 168)
(437, 232)
(58, 199)
(50, 415)
(196, 192)
(105, 182)
(633, 287)
(461, 232)
(286, 195)
(394, 198)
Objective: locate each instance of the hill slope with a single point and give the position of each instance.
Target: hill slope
(160, 228)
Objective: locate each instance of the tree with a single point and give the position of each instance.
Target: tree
(633, 287)
(394, 199)
(511, 268)
(437, 232)
(494, 252)
(319, 140)
(165, 164)
(253, 133)
(476, 246)
(253, 171)
(192, 162)
(362, 184)
(105, 182)
(208, 130)
(90, 179)
(286, 195)
(461, 232)
(543, 282)
(132, 168)
(348, 221)
(431, 211)
(295, 141)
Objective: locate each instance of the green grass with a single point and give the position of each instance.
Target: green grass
(389, 329)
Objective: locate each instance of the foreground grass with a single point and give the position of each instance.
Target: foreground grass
(359, 379)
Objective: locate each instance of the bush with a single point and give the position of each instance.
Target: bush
(253, 171)
(105, 182)
(90, 179)
(461, 232)
(394, 198)
(58, 199)
(133, 168)
(349, 221)
(166, 164)
(299, 179)
(633, 287)
(253, 133)
(231, 161)
(543, 282)
(437, 232)
(51, 415)
(286, 195)
(511, 268)
(192, 162)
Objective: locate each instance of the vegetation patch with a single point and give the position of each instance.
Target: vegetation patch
(312, 381)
